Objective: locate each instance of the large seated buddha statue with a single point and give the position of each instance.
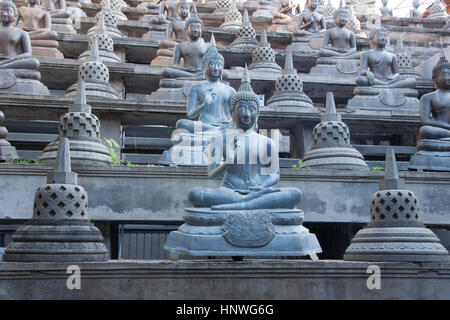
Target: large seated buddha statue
(37, 22)
(338, 53)
(18, 68)
(434, 135)
(175, 33)
(208, 110)
(247, 215)
(380, 85)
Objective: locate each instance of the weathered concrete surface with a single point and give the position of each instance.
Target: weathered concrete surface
(249, 279)
(146, 193)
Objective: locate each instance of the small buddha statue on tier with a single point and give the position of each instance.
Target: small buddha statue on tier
(286, 9)
(311, 23)
(16, 61)
(37, 22)
(379, 67)
(380, 85)
(384, 10)
(192, 51)
(414, 12)
(176, 28)
(339, 42)
(434, 135)
(167, 12)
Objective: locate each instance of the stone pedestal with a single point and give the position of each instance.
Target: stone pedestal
(22, 81)
(164, 55)
(46, 49)
(305, 44)
(431, 160)
(63, 25)
(175, 90)
(247, 233)
(156, 32)
(336, 67)
(379, 98)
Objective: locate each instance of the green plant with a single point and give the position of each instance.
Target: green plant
(24, 161)
(299, 164)
(113, 147)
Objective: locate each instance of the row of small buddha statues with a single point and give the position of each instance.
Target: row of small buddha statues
(379, 81)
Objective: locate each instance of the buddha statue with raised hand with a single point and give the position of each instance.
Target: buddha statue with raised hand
(208, 107)
(246, 184)
(311, 23)
(209, 100)
(247, 215)
(16, 62)
(434, 135)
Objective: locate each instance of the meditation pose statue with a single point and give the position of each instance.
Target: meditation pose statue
(247, 215)
(37, 22)
(18, 69)
(380, 84)
(379, 66)
(192, 51)
(434, 135)
(384, 10)
(167, 12)
(312, 23)
(209, 103)
(415, 13)
(175, 33)
(338, 53)
(338, 41)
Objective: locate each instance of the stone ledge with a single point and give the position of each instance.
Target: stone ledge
(141, 193)
(249, 279)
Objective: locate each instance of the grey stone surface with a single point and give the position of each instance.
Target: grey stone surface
(200, 280)
(82, 128)
(116, 192)
(395, 232)
(59, 229)
(331, 148)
